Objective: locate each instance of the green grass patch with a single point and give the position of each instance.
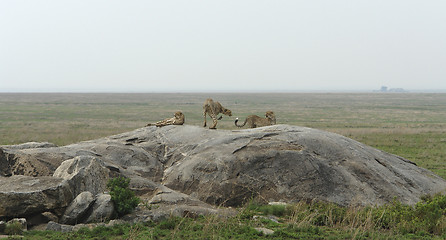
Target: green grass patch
(317, 220)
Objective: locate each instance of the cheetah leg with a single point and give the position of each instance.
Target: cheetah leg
(160, 123)
(165, 122)
(204, 114)
(214, 121)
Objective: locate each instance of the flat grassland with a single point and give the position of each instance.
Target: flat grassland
(411, 125)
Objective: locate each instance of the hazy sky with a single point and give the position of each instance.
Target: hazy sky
(186, 45)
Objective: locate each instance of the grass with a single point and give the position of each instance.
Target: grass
(317, 220)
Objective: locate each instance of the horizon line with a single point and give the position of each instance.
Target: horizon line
(227, 91)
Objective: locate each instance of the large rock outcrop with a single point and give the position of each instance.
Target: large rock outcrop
(285, 163)
(24, 195)
(226, 168)
(84, 173)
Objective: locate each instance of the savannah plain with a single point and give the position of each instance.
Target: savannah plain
(411, 125)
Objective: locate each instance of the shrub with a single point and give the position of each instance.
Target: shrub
(14, 228)
(430, 213)
(123, 198)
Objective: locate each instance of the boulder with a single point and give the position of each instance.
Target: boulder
(76, 211)
(133, 158)
(5, 169)
(33, 162)
(142, 186)
(84, 173)
(279, 163)
(27, 165)
(168, 196)
(166, 203)
(32, 159)
(103, 209)
(30, 145)
(289, 163)
(57, 227)
(24, 195)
